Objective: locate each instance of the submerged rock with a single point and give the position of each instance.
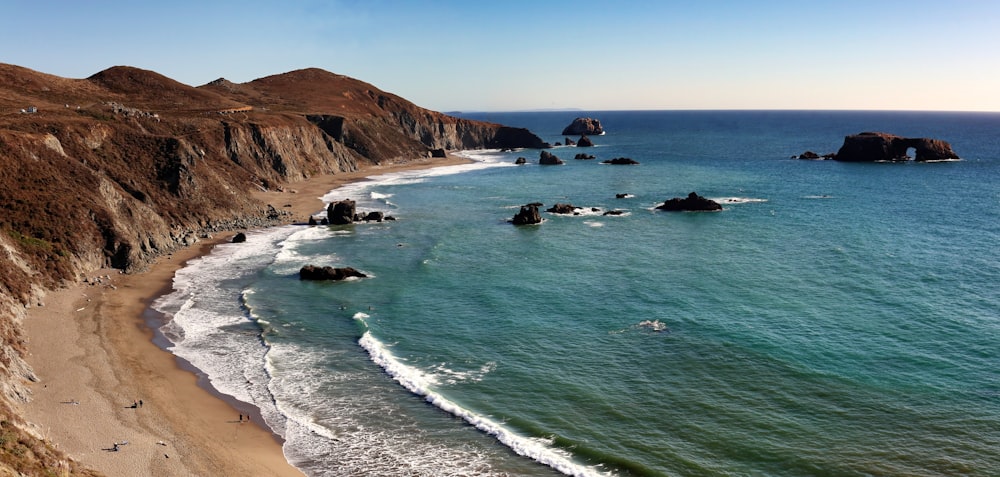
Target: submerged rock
(563, 209)
(621, 161)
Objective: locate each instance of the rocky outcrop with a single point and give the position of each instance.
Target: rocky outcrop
(584, 142)
(877, 146)
(583, 157)
(560, 208)
(312, 272)
(549, 159)
(692, 203)
(621, 161)
(581, 126)
(528, 215)
(341, 212)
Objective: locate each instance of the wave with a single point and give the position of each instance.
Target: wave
(419, 383)
(737, 200)
(226, 343)
(365, 198)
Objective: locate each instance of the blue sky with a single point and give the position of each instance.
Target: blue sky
(518, 55)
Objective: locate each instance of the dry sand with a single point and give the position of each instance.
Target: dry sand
(92, 349)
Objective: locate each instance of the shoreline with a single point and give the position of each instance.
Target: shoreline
(96, 354)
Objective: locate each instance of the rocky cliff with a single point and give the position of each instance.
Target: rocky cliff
(118, 168)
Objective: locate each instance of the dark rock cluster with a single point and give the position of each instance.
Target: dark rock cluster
(692, 203)
(312, 272)
(343, 212)
(528, 215)
(621, 161)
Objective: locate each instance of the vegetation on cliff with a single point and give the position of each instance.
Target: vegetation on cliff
(118, 168)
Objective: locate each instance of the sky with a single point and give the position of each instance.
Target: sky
(514, 55)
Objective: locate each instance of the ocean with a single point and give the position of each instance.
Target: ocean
(836, 319)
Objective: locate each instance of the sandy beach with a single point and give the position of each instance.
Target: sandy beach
(104, 382)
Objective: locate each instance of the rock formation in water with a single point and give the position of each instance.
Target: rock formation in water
(549, 159)
(560, 208)
(312, 272)
(692, 203)
(528, 215)
(583, 126)
(621, 161)
(878, 146)
(341, 212)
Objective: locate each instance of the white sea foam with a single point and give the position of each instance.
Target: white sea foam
(419, 383)
(481, 160)
(216, 337)
(737, 200)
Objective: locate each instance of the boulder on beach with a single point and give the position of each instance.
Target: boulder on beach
(240, 238)
(692, 203)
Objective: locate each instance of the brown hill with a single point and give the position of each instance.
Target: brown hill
(22, 87)
(118, 168)
(150, 90)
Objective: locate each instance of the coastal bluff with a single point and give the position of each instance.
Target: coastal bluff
(127, 165)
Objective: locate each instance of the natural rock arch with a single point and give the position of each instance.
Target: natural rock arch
(877, 146)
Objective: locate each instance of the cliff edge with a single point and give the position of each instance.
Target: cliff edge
(118, 168)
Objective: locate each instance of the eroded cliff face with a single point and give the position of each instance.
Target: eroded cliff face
(107, 173)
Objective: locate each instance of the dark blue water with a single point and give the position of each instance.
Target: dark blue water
(833, 319)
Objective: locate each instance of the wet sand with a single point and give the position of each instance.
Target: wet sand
(92, 348)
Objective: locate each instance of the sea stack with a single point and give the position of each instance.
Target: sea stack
(581, 126)
(882, 147)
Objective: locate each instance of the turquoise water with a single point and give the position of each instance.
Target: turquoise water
(833, 319)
